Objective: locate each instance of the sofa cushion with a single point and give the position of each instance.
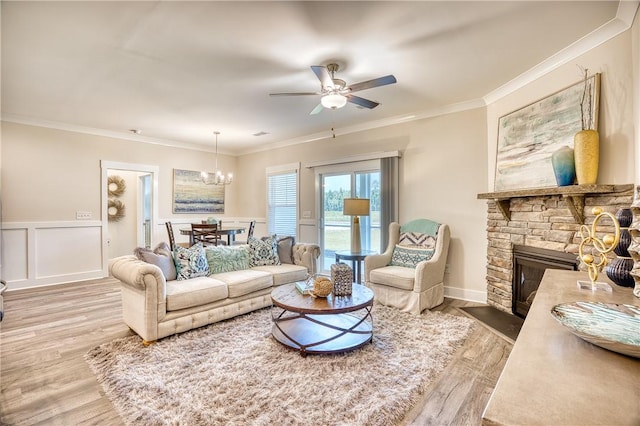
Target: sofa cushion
(394, 276)
(409, 257)
(263, 252)
(190, 262)
(244, 282)
(161, 257)
(285, 249)
(194, 292)
(284, 273)
(227, 258)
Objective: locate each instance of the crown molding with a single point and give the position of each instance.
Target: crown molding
(621, 23)
(18, 119)
(370, 125)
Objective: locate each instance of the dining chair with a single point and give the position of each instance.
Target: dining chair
(252, 226)
(172, 239)
(206, 233)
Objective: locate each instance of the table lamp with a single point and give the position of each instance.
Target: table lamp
(355, 207)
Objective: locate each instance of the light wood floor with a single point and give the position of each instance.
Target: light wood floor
(47, 331)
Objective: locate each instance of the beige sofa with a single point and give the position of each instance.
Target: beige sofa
(155, 308)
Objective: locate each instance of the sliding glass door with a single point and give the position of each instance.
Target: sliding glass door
(335, 228)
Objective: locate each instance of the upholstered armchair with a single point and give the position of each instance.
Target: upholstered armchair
(409, 275)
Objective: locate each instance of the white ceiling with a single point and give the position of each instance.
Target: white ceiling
(180, 70)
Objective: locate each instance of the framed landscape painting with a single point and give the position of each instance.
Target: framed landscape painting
(527, 137)
(191, 195)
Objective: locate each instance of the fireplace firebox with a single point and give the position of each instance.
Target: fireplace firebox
(529, 265)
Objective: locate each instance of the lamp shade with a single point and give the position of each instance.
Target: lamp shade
(333, 101)
(356, 207)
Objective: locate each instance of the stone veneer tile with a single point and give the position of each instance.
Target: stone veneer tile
(543, 222)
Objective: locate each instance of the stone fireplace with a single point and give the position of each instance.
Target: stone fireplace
(529, 265)
(546, 220)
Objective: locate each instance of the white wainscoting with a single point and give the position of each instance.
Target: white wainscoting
(45, 253)
(308, 231)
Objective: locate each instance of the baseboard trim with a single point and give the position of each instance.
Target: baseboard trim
(23, 284)
(465, 294)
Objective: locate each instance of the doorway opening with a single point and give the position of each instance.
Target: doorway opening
(136, 203)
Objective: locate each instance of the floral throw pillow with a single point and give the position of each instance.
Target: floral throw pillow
(190, 262)
(263, 252)
(409, 257)
(227, 259)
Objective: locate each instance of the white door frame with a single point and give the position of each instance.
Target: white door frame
(114, 165)
(140, 202)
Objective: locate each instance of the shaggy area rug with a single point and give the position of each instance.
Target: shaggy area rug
(235, 373)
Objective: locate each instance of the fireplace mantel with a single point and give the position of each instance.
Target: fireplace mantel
(573, 195)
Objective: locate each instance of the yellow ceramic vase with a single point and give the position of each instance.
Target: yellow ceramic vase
(586, 148)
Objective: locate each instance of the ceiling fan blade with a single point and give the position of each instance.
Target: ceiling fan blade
(294, 94)
(323, 75)
(366, 103)
(376, 82)
(317, 110)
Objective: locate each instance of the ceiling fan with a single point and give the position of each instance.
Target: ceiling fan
(335, 92)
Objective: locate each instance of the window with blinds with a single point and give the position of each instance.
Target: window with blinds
(282, 202)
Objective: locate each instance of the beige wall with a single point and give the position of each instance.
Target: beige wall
(251, 167)
(616, 123)
(50, 174)
(635, 54)
(441, 172)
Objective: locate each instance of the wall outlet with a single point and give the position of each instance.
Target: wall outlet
(447, 268)
(83, 215)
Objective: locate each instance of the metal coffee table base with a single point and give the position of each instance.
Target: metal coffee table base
(322, 334)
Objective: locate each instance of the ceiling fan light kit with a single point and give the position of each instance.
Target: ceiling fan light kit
(336, 93)
(333, 101)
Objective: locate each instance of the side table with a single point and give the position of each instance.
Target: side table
(356, 258)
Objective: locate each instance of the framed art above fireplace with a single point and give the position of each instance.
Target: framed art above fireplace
(528, 136)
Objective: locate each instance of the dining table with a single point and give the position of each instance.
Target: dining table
(229, 231)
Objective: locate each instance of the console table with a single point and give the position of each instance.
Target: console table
(553, 377)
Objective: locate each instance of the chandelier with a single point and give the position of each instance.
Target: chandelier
(217, 177)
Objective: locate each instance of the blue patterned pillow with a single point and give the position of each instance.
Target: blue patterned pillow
(409, 257)
(227, 259)
(190, 262)
(263, 252)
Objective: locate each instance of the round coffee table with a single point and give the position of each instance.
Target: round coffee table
(322, 325)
